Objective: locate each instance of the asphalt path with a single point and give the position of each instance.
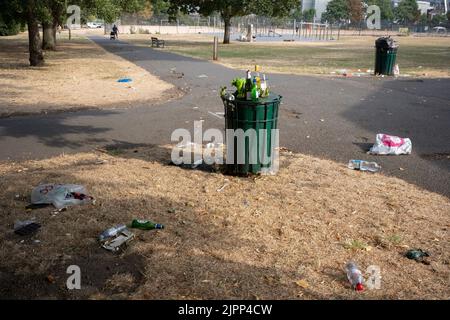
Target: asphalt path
(329, 117)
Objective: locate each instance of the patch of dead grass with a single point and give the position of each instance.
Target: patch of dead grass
(256, 239)
(80, 74)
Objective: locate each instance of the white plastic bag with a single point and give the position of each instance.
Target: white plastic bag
(391, 145)
(60, 195)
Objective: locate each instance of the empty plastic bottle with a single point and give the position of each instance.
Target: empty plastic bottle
(364, 165)
(111, 232)
(354, 276)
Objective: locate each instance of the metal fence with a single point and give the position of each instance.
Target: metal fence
(268, 27)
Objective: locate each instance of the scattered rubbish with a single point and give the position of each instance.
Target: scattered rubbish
(114, 238)
(100, 161)
(112, 232)
(215, 115)
(214, 145)
(401, 169)
(418, 255)
(51, 279)
(283, 149)
(37, 206)
(342, 72)
(322, 120)
(354, 276)
(370, 71)
(185, 145)
(363, 165)
(60, 195)
(36, 241)
(124, 80)
(197, 163)
(202, 76)
(396, 70)
(55, 212)
(224, 186)
(145, 225)
(195, 108)
(302, 283)
(390, 145)
(26, 227)
(117, 243)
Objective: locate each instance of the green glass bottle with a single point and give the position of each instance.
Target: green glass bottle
(255, 91)
(145, 225)
(248, 86)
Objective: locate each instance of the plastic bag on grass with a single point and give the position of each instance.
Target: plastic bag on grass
(391, 145)
(60, 195)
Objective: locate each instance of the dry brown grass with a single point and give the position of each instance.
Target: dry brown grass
(417, 56)
(80, 74)
(271, 237)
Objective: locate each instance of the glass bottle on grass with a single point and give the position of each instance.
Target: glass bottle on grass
(145, 225)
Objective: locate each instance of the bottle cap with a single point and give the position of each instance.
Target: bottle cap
(359, 287)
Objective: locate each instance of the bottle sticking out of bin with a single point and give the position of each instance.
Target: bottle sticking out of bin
(249, 88)
(256, 87)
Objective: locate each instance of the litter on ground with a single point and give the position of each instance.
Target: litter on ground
(391, 145)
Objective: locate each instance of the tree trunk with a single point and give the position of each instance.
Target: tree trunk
(226, 36)
(48, 36)
(34, 39)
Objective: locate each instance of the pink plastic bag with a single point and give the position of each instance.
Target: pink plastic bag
(391, 145)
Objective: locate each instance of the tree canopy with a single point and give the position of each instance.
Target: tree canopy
(385, 8)
(337, 10)
(235, 8)
(407, 11)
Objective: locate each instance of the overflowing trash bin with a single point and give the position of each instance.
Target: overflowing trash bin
(385, 56)
(246, 115)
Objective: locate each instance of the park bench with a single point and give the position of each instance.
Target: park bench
(157, 43)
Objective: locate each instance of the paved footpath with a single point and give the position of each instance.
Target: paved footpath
(329, 117)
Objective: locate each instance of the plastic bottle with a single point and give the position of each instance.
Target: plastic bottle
(364, 165)
(354, 276)
(264, 86)
(111, 232)
(145, 225)
(257, 76)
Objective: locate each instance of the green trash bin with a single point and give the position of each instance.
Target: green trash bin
(385, 56)
(245, 115)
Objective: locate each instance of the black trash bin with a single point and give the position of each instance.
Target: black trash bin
(385, 56)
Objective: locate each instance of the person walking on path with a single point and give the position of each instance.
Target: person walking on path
(116, 31)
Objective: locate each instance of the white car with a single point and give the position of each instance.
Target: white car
(94, 25)
(440, 29)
